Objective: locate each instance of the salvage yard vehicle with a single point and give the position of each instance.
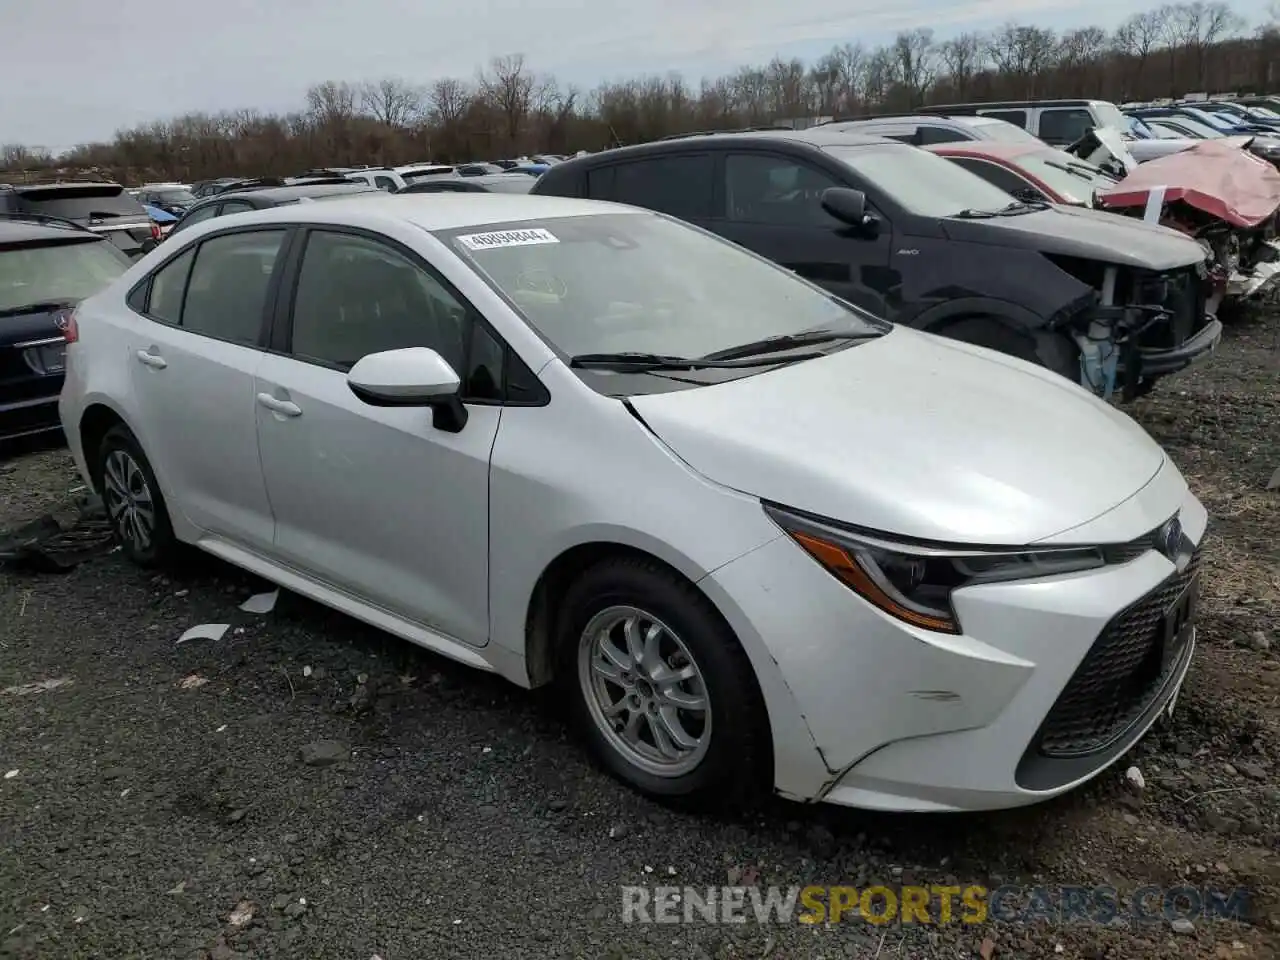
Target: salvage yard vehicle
(261, 198)
(102, 207)
(587, 444)
(46, 267)
(1102, 300)
(1032, 172)
(921, 130)
(492, 183)
(1225, 197)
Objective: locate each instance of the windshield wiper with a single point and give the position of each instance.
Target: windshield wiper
(633, 362)
(1076, 170)
(43, 306)
(1010, 210)
(786, 341)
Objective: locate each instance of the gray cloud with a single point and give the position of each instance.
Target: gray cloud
(77, 70)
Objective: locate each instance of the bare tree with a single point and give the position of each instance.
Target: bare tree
(1021, 54)
(916, 62)
(332, 102)
(508, 86)
(963, 57)
(392, 101)
(447, 100)
(1191, 28)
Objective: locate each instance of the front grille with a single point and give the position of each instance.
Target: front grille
(1118, 678)
(1181, 293)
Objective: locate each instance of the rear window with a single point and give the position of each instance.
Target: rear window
(55, 272)
(80, 203)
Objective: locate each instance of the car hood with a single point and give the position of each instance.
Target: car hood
(1081, 232)
(914, 435)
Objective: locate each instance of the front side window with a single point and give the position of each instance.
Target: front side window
(358, 296)
(775, 190)
(227, 291)
(679, 185)
(384, 183)
(921, 182)
(622, 282)
(57, 272)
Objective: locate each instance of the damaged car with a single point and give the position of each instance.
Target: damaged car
(1112, 303)
(1224, 197)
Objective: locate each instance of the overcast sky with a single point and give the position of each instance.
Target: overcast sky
(78, 70)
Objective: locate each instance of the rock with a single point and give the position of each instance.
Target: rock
(237, 815)
(324, 753)
(1259, 641)
(1182, 748)
(1182, 763)
(295, 909)
(1229, 770)
(618, 831)
(1130, 819)
(1253, 771)
(557, 805)
(1134, 778)
(1183, 926)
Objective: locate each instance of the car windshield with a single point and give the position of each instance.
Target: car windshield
(1000, 130)
(1212, 119)
(57, 272)
(644, 283)
(1187, 126)
(1074, 180)
(923, 183)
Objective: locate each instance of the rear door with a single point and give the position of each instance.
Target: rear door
(193, 356)
(773, 205)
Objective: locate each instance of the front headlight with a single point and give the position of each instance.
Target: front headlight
(914, 581)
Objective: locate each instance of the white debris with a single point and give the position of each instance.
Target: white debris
(205, 631)
(1274, 482)
(10, 774)
(192, 682)
(1134, 776)
(221, 728)
(487, 750)
(242, 914)
(457, 923)
(306, 671)
(261, 602)
(39, 686)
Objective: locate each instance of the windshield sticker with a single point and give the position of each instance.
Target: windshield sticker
(507, 238)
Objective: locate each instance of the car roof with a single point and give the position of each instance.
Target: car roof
(816, 137)
(24, 231)
(286, 194)
(1000, 149)
(436, 211)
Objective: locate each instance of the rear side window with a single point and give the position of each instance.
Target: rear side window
(228, 287)
(993, 173)
(236, 206)
(930, 135)
(384, 183)
(196, 215)
(1065, 126)
(680, 186)
(167, 287)
(1016, 117)
(91, 203)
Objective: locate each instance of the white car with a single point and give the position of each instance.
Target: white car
(760, 538)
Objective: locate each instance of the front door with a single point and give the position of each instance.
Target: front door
(773, 205)
(193, 360)
(377, 500)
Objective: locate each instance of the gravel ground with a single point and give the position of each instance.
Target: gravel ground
(155, 801)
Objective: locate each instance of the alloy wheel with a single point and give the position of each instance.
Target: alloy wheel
(644, 691)
(128, 499)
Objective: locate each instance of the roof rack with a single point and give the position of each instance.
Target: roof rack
(307, 180)
(45, 219)
(712, 133)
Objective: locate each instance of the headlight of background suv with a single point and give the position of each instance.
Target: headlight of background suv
(914, 581)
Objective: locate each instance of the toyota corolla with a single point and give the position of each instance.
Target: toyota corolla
(763, 540)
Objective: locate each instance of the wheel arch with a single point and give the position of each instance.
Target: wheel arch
(1012, 315)
(96, 419)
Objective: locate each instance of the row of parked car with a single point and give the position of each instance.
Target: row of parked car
(667, 451)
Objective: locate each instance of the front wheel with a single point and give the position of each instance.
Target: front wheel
(660, 688)
(132, 500)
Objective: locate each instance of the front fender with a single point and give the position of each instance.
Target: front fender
(1013, 314)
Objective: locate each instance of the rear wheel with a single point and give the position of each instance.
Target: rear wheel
(1044, 348)
(132, 500)
(660, 688)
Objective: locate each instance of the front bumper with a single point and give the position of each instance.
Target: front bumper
(909, 720)
(1159, 363)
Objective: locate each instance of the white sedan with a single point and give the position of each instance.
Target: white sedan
(761, 539)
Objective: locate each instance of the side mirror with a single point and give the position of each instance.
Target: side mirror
(847, 206)
(410, 377)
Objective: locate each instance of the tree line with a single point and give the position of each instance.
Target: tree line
(511, 109)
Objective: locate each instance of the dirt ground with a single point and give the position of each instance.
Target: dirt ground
(155, 800)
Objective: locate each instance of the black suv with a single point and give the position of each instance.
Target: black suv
(1105, 300)
(260, 198)
(47, 266)
(102, 207)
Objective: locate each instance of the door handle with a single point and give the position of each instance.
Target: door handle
(283, 407)
(152, 360)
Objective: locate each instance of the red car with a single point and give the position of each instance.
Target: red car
(1029, 171)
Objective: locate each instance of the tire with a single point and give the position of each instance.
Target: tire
(731, 764)
(126, 482)
(1053, 351)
